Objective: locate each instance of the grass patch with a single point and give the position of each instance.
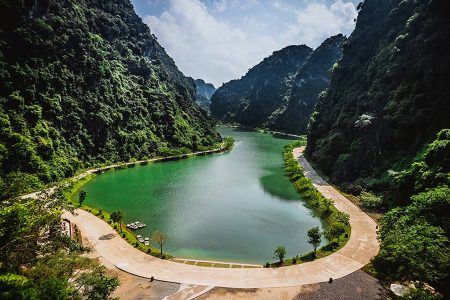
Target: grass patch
(220, 265)
(204, 264)
(190, 262)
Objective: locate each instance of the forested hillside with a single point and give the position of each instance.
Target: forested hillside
(280, 93)
(85, 82)
(380, 130)
(204, 93)
(253, 99)
(311, 79)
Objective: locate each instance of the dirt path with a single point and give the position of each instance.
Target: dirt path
(359, 250)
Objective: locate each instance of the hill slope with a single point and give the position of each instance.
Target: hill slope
(389, 95)
(254, 98)
(281, 91)
(204, 93)
(311, 79)
(84, 82)
(381, 131)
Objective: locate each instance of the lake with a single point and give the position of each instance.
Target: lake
(236, 206)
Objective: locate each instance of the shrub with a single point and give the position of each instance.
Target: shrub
(369, 200)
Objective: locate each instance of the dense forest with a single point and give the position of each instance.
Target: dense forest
(380, 131)
(86, 82)
(204, 93)
(83, 82)
(279, 93)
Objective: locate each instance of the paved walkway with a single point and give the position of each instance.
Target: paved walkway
(359, 250)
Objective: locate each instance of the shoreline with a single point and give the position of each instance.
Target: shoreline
(361, 247)
(96, 170)
(261, 130)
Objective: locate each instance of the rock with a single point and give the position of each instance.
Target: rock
(399, 289)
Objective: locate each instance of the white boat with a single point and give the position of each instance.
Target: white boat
(147, 243)
(140, 238)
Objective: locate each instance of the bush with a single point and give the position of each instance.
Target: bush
(267, 265)
(369, 200)
(124, 235)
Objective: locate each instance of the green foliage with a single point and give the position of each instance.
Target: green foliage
(81, 197)
(414, 239)
(314, 237)
(414, 250)
(38, 262)
(337, 222)
(228, 143)
(369, 200)
(117, 217)
(85, 84)
(280, 253)
(380, 110)
(280, 92)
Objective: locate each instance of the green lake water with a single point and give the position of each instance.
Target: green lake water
(237, 206)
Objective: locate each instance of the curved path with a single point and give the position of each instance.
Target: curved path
(359, 250)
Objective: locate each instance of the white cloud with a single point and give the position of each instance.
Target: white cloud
(205, 47)
(216, 49)
(317, 21)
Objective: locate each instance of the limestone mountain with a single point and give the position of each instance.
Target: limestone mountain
(280, 92)
(204, 93)
(312, 78)
(86, 82)
(389, 94)
(253, 99)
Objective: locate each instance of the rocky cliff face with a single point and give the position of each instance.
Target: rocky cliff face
(204, 93)
(84, 82)
(389, 94)
(280, 92)
(312, 78)
(253, 99)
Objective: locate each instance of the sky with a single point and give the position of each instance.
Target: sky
(219, 40)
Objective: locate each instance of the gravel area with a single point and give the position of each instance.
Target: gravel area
(358, 285)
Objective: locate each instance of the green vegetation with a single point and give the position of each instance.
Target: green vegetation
(86, 83)
(228, 143)
(369, 200)
(338, 228)
(81, 197)
(280, 253)
(37, 261)
(414, 239)
(315, 238)
(117, 216)
(280, 92)
(380, 132)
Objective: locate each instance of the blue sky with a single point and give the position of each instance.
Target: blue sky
(219, 40)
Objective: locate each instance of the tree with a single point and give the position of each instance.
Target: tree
(117, 217)
(415, 250)
(334, 230)
(56, 268)
(280, 253)
(314, 238)
(82, 196)
(160, 238)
